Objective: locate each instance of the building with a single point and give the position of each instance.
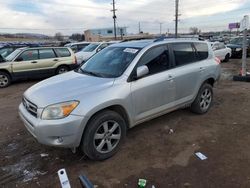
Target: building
(94, 35)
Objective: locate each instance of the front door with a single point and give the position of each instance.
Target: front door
(26, 64)
(155, 92)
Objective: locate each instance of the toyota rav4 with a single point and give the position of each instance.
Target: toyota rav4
(120, 87)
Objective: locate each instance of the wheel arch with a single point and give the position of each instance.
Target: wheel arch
(116, 108)
(7, 72)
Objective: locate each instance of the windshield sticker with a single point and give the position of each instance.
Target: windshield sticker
(130, 50)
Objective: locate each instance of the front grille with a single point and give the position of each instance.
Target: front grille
(30, 107)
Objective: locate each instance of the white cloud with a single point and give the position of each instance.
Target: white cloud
(76, 15)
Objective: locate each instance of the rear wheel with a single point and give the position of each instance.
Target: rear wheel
(62, 69)
(203, 100)
(5, 79)
(227, 57)
(103, 135)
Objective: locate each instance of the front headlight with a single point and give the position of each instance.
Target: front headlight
(238, 49)
(59, 111)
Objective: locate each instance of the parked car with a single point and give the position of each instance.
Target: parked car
(120, 87)
(35, 63)
(7, 49)
(77, 46)
(221, 51)
(236, 45)
(90, 50)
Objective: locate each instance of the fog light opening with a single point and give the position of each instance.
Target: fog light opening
(59, 139)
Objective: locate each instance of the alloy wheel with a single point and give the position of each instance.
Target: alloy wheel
(107, 136)
(206, 98)
(3, 80)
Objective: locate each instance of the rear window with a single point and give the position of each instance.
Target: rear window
(46, 54)
(184, 53)
(63, 52)
(202, 50)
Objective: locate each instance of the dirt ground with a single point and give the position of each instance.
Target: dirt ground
(150, 151)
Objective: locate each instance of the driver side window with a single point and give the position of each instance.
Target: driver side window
(28, 55)
(156, 59)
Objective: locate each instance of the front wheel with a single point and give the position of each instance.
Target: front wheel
(203, 100)
(103, 136)
(5, 79)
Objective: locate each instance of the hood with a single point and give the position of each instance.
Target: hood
(65, 87)
(234, 45)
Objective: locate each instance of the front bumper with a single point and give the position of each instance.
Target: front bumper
(66, 132)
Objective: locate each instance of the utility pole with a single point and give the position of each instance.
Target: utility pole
(244, 26)
(160, 27)
(139, 27)
(244, 53)
(176, 17)
(114, 17)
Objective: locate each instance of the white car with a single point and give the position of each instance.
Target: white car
(77, 46)
(221, 51)
(90, 50)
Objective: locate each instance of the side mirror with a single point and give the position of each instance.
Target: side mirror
(142, 71)
(19, 59)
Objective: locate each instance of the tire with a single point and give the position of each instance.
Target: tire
(241, 78)
(227, 57)
(203, 100)
(62, 69)
(97, 143)
(5, 79)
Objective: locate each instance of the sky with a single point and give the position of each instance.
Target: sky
(75, 16)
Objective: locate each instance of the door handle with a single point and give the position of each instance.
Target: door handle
(55, 60)
(34, 62)
(170, 78)
(202, 68)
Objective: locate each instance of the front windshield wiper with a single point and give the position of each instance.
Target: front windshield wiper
(91, 73)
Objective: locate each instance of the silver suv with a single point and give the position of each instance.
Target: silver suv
(121, 86)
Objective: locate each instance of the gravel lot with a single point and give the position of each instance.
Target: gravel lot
(150, 152)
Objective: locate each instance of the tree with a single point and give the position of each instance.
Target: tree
(59, 36)
(194, 30)
(77, 37)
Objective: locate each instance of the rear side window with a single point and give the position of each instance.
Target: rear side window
(184, 53)
(63, 52)
(202, 50)
(156, 59)
(46, 54)
(29, 55)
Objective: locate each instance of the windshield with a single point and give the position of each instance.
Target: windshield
(236, 41)
(90, 48)
(13, 55)
(4, 52)
(110, 62)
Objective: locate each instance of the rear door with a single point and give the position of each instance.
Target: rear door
(187, 71)
(155, 92)
(26, 64)
(47, 61)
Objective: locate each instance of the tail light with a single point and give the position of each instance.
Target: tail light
(217, 60)
(75, 60)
